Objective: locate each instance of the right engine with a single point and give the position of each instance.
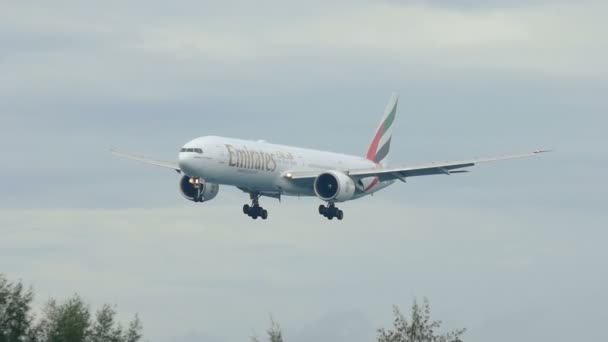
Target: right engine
(334, 186)
(197, 190)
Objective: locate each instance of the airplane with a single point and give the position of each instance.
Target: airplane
(261, 169)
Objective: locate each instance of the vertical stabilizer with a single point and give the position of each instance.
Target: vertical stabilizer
(381, 144)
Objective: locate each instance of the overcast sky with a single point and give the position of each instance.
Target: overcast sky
(512, 251)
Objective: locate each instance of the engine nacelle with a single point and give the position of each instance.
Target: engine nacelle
(334, 186)
(197, 190)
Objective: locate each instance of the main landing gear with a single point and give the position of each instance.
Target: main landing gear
(330, 211)
(254, 211)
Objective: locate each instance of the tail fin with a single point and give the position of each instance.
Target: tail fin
(381, 144)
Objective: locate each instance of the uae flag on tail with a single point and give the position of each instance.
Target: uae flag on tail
(381, 144)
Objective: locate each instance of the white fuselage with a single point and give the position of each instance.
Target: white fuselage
(258, 166)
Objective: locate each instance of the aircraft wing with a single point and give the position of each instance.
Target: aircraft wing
(401, 173)
(146, 160)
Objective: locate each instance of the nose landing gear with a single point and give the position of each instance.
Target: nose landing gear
(254, 211)
(330, 211)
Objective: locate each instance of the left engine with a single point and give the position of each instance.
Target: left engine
(334, 186)
(197, 190)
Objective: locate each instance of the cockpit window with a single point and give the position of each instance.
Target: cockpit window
(194, 150)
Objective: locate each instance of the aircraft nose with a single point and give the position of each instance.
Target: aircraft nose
(190, 159)
(185, 162)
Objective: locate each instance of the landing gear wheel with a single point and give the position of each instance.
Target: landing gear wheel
(331, 211)
(254, 210)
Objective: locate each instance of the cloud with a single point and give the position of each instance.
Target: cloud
(544, 39)
(480, 4)
(204, 266)
(112, 53)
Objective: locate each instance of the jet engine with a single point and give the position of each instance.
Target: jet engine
(197, 190)
(334, 186)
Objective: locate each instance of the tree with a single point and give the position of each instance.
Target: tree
(15, 306)
(274, 333)
(66, 322)
(69, 321)
(72, 322)
(420, 327)
(134, 333)
(104, 328)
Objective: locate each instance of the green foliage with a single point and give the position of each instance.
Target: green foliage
(274, 333)
(105, 329)
(420, 327)
(69, 321)
(134, 332)
(15, 318)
